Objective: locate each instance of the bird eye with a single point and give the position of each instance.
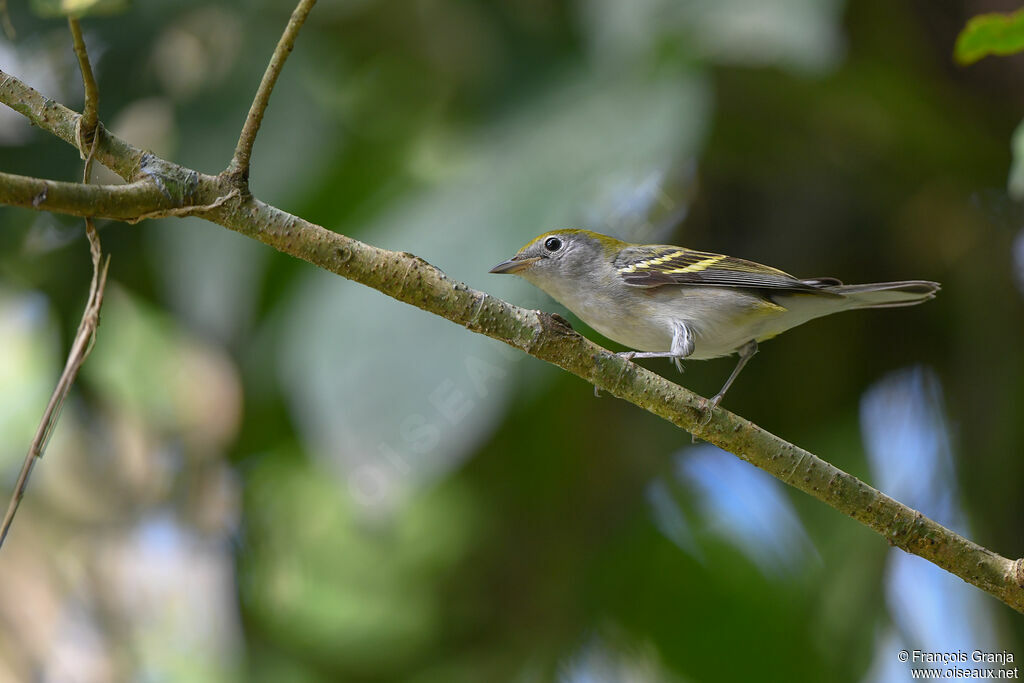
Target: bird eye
(552, 244)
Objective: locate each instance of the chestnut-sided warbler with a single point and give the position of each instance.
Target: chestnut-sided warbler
(673, 302)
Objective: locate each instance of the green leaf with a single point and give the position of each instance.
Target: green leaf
(78, 8)
(990, 34)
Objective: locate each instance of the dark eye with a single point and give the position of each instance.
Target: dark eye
(552, 244)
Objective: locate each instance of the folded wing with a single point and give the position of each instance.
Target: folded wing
(657, 266)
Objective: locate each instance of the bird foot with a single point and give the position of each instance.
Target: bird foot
(708, 408)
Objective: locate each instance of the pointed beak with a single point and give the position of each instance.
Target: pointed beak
(513, 265)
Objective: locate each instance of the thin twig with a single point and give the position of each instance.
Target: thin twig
(86, 334)
(90, 113)
(238, 169)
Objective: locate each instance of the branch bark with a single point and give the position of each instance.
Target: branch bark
(408, 278)
(122, 202)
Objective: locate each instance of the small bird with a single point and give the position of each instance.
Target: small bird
(673, 302)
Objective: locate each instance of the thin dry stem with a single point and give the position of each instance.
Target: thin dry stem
(80, 349)
(86, 334)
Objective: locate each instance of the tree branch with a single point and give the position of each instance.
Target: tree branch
(122, 202)
(119, 156)
(239, 167)
(409, 278)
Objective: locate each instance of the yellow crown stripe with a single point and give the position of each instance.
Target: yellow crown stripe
(698, 266)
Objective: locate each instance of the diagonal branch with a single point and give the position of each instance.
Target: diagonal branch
(239, 167)
(410, 279)
(119, 156)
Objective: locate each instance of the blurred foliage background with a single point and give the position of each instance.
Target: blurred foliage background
(268, 473)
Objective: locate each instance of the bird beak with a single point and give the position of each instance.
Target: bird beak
(513, 265)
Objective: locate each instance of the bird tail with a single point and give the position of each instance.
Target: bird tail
(886, 294)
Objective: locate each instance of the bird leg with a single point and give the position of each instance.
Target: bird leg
(682, 346)
(746, 352)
